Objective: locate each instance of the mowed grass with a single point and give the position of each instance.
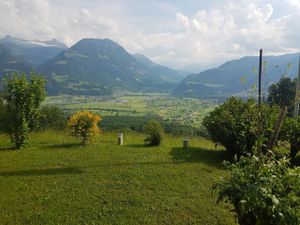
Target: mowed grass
(56, 181)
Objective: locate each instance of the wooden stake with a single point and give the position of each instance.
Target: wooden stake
(259, 147)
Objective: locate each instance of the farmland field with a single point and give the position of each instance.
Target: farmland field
(57, 181)
(183, 110)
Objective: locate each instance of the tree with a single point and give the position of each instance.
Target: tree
(22, 99)
(154, 132)
(283, 93)
(84, 124)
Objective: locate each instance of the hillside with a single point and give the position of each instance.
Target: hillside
(165, 73)
(95, 66)
(12, 63)
(35, 52)
(236, 76)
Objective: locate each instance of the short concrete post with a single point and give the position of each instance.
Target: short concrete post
(185, 143)
(120, 139)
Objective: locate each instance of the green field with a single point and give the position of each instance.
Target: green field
(183, 110)
(56, 181)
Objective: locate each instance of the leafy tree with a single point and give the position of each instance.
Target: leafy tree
(154, 132)
(263, 191)
(283, 93)
(234, 124)
(22, 99)
(84, 124)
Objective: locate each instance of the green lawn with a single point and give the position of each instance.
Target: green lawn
(57, 181)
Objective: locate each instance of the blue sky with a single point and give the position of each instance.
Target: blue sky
(185, 34)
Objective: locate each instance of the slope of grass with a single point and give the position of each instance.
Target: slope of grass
(57, 181)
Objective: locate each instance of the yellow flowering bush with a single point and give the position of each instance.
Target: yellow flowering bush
(84, 124)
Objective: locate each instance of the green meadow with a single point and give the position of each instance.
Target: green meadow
(55, 180)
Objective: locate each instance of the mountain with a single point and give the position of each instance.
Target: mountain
(34, 52)
(12, 63)
(165, 73)
(236, 77)
(99, 66)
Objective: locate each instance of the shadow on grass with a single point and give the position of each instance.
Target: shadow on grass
(65, 145)
(138, 146)
(8, 148)
(42, 172)
(126, 164)
(206, 156)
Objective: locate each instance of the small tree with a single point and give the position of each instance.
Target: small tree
(84, 124)
(154, 132)
(283, 93)
(22, 99)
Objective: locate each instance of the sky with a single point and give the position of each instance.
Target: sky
(183, 34)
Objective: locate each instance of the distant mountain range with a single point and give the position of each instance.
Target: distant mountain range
(102, 66)
(94, 66)
(237, 77)
(34, 52)
(90, 67)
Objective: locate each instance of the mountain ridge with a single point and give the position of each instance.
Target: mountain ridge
(237, 76)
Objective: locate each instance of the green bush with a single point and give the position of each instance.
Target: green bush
(52, 117)
(291, 132)
(263, 191)
(234, 124)
(154, 132)
(137, 123)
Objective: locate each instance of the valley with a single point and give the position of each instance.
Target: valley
(189, 111)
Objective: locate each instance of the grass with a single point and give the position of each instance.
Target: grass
(57, 181)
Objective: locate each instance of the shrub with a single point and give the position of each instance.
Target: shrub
(263, 191)
(52, 117)
(291, 132)
(137, 123)
(234, 124)
(154, 132)
(84, 124)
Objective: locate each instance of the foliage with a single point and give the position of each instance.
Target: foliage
(154, 132)
(263, 191)
(52, 117)
(22, 99)
(291, 132)
(84, 124)
(2, 113)
(283, 93)
(137, 123)
(234, 124)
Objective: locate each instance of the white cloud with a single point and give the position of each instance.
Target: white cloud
(174, 33)
(228, 31)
